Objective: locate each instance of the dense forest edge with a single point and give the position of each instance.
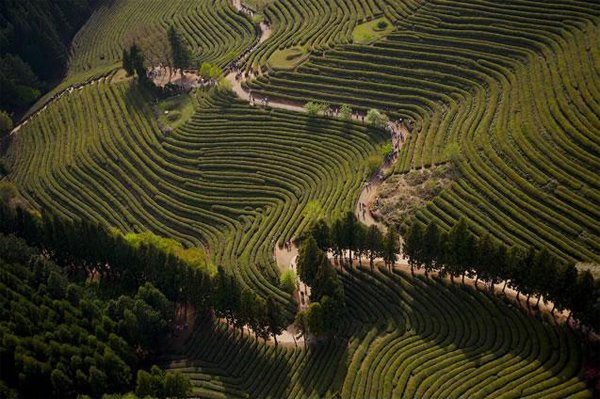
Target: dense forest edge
(35, 40)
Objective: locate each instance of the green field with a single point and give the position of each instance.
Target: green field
(212, 29)
(407, 338)
(371, 31)
(505, 94)
(233, 179)
(175, 111)
(513, 99)
(287, 59)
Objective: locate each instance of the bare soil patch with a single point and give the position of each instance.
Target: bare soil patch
(400, 196)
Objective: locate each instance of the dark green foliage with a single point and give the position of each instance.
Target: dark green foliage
(349, 233)
(180, 53)
(414, 246)
(327, 307)
(459, 250)
(326, 282)
(53, 342)
(360, 242)
(160, 384)
(391, 247)
(61, 334)
(134, 63)
(564, 287)
(432, 246)
(275, 319)
(20, 87)
(337, 238)
(143, 319)
(529, 272)
(89, 250)
(373, 245)
(315, 319)
(308, 259)
(227, 293)
(34, 42)
(320, 232)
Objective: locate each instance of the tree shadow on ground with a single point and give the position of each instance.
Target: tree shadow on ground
(242, 362)
(496, 346)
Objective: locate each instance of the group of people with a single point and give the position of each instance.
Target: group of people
(288, 245)
(235, 65)
(264, 101)
(180, 327)
(398, 137)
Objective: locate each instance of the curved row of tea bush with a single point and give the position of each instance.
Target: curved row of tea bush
(234, 179)
(404, 337)
(317, 25)
(212, 29)
(508, 92)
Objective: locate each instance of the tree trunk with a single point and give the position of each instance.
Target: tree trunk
(412, 270)
(275, 338)
(553, 307)
(504, 288)
(538, 301)
(463, 278)
(528, 296)
(371, 264)
(476, 281)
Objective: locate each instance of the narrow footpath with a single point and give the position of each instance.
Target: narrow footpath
(56, 97)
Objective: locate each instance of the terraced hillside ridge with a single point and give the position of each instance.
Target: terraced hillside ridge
(214, 31)
(406, 337)
(317, 25)
(234, 179)
(508, 91)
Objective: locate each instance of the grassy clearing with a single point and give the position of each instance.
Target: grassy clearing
(288, 59)
(371, 31)
(175, 111)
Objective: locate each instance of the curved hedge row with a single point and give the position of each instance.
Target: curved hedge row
(321, 24)
(234, 179)
(405, 337)
(214, 31)
(515, 85)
